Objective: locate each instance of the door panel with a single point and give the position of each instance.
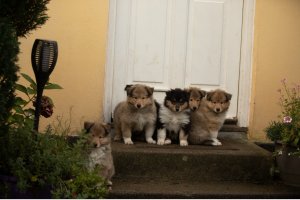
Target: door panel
(177, 43)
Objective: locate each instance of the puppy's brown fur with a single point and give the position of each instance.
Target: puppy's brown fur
(100, 139)
(209, 118)
(138, 113)
(196, 96)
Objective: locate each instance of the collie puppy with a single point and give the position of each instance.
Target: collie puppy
(100, 155)
(136, 114)
(209, 118)
(174, 118)
(195, 97)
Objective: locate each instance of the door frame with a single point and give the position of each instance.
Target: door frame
(245, 75)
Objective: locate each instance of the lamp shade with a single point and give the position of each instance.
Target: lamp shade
(43, 57)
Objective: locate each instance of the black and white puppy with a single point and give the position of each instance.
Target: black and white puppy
(173, 121)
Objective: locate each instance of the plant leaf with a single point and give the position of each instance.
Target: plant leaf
(21, 88)
(29, 112)
(29, 79)
(19, 101)
(30, 90)
(51, 86)
(18, 109)
(33, 86)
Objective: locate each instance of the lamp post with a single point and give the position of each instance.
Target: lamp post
(43, 59)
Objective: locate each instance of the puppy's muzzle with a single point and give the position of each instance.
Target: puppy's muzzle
(218, 110)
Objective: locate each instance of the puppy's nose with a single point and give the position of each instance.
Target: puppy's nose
(194, 108)
(138, 105)
(218, 109)
(95, 145)
(177, 109)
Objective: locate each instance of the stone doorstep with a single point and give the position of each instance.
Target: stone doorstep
(196, 171)
(236, 160)
(147, 188)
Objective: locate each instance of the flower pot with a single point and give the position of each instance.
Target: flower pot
(289, 166)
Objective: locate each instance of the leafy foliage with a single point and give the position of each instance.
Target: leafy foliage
(24, 15)
(39, 160)
(22, 112)
(287, 128)
(9, 48)
(85, 185)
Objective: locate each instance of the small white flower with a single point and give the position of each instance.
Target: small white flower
(287, 119)
(280, 152)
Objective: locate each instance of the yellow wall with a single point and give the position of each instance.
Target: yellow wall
(80, 28)
(276, 56)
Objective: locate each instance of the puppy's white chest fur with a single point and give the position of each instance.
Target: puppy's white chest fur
(173, 121)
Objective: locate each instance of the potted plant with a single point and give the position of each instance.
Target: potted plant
(285, 132)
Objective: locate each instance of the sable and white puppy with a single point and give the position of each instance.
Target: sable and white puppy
(209, 118)
(174, 118)
(195, 97)
(138, 114)
(100, 155)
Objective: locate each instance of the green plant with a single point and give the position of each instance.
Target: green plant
(85, 185)
(24, 15)
(9, 48)
(22, 112)
(287, 128)
(17, 19)
(54, 161)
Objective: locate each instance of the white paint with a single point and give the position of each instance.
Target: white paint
(170, 59)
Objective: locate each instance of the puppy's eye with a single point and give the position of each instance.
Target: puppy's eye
(198, 100)
(93, 135)
(135, 98)
(143, 97)
(191, 99)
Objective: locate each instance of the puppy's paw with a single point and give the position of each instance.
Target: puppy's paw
(117, 138)
(183, 143)
(216, 143)
(160, 141)
(127, 141)
(168, 141)
(150, 141)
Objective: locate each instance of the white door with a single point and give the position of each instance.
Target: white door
(174, 43)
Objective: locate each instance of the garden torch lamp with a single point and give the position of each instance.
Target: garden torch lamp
(43, 60)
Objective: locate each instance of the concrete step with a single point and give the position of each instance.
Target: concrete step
(154, 188)
(236, 160)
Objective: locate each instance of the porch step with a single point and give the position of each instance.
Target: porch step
(165, 189)
(237, 169)
(236, 160)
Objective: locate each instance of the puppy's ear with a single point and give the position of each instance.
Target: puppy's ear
(228, 96)
(127, 86)
(129, 89)
(209, 95)
(202, 93)
(187, 90)
(168, 93)
(88, 126)
(150, 90)
(187, 94)
(107, 127)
